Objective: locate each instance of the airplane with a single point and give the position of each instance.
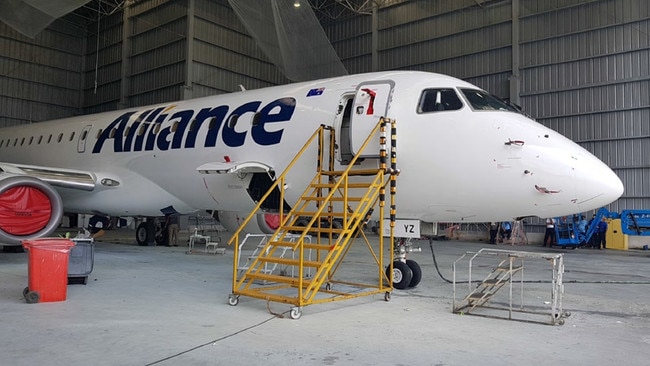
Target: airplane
(464, 155)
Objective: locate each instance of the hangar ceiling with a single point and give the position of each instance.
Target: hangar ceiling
(32, 16)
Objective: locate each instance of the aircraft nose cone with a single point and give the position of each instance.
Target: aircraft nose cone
(596, 184)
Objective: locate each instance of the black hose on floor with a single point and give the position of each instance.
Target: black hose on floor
(435, 263)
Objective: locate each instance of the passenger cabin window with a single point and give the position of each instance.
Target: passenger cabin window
(483, 101)
(436, 100)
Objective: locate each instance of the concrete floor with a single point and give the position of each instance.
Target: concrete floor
(161, 306)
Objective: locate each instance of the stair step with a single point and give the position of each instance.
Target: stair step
(493, 281)
(335, 198)
(506, 267)
(245, 268)
(479, 296)
(351, 172)
(280, 243)
(313, 229)
(306, 245)
(322, 214)
(290, 261)
(350, 185)
(277, 278)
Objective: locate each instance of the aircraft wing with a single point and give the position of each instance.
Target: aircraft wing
(57, 177)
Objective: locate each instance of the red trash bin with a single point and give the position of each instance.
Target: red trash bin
(48, 269)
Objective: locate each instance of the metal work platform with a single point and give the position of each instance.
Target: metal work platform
(500, 269)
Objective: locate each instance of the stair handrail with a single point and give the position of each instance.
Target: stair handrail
(343, 177)
(235, 235)
(281, 177)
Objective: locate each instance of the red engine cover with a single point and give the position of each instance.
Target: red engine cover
(24, 210)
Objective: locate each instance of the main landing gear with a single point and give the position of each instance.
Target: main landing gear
(406, 272)
(150, 232)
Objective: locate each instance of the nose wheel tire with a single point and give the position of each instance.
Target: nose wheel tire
(417, 272)
(402, 275)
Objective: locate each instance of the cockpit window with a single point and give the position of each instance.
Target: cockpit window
(482, 101)
(435, 100)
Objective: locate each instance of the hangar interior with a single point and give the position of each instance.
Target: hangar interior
(580, 67)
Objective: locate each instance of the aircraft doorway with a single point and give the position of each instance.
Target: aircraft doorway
(371, 102)
(343, 148)
(83, 136)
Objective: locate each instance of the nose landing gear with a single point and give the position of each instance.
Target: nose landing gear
(406, 272)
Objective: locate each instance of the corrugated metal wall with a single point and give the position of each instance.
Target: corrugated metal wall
(101, 74)
(584, 65)
(130, 58)
(156, 49)
(39, 78)
(585, 72)
(225, 56)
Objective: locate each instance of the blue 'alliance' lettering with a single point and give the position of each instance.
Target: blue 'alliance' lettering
(147, 133)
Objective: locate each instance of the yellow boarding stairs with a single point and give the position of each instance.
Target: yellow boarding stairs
(338, 204)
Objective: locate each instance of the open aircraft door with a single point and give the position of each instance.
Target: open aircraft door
(371, 101)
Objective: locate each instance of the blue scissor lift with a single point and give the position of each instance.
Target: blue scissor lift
(633, 222)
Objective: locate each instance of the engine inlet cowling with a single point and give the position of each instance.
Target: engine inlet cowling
(29, 209)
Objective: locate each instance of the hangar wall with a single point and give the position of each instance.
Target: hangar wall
(582, 65)
(153, 51)
(39, 78)
(173, 49)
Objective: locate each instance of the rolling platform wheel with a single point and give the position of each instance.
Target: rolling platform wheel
(233, 300)
(295, 313)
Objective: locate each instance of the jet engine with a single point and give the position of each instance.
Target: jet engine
(29, 208)
(263, 223)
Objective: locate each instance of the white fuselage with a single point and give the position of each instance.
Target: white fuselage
(456, 165)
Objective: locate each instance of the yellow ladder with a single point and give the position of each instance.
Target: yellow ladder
(331, 214)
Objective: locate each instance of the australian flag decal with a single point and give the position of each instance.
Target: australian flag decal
(315, 92)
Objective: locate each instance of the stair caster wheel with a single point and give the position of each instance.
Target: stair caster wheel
(328, 287)
(233, 300)
(295, 313)
(387, 296)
